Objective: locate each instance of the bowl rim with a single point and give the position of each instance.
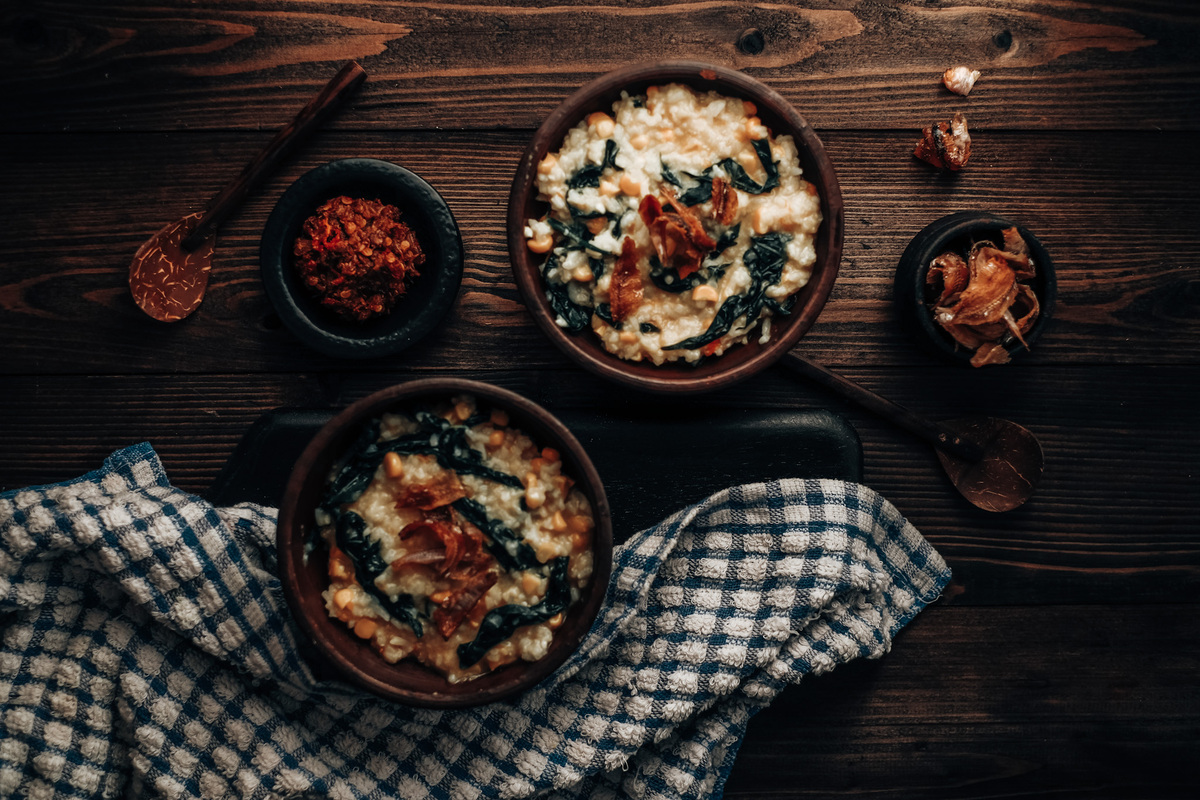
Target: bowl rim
(437, 283)
(324, 633)
(676, 377)
(909, 282)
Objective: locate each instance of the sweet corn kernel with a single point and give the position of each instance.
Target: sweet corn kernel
(495, 438)
(393, 467)
(541, 243)
(704, 294)
(534, 497)
(547, 164)
(530, 583)
(609, 189)
(550, 455)
(558, 522)
(343, 597)
(578, 523)
(630, 186)
(627, 337)
(365, 628)
(639, 141)
(499, 417)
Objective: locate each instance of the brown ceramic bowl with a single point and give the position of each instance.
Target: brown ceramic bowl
(741, 361)
(304, 577)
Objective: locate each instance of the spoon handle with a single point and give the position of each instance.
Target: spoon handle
(309, 119)
(937, 435)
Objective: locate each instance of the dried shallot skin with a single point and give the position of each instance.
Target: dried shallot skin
(946, 145)
(960, 80)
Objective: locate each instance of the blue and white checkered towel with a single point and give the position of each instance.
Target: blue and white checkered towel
(147, 651)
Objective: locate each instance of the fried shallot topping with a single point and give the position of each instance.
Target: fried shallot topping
(946, 145)
(979, 300)
(625, 285)
(441, 491)
(678, 236)
(724, 201)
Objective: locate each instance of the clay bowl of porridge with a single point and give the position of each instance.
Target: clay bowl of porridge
(444, 543)
(675, 227)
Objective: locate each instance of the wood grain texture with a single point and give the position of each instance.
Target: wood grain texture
(1021, 702)
(1128, 271)
(1114, 517)
(1061, 662)
(460, 65)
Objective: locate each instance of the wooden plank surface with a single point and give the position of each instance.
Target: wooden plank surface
(1097, 530)
(1061, 662)
(1127, 263)
(461, 65)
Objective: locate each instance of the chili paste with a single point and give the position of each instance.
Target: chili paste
(356, 257)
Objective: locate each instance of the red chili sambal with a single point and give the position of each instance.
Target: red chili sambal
(356, 257)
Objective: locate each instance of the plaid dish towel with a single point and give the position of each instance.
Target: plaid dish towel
(147, 651)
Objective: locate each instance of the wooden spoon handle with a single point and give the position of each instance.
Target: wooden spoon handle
(309, 119)
(937, 435)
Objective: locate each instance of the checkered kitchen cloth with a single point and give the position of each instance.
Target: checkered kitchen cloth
(147, 651)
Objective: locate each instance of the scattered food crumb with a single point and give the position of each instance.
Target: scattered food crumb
(946, 145)
(960, 80)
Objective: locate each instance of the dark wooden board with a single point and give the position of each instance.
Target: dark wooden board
(645, 460)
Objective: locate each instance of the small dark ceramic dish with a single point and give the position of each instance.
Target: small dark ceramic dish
(956, 232)
(429, 296)
(304, 577)
(739, 362)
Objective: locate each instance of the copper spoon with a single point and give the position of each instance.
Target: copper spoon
(169, 273)
(994, 463)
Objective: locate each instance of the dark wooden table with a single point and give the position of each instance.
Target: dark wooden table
(1065, 659)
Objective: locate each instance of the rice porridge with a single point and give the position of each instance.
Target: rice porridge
(453, 539)
(678, 225)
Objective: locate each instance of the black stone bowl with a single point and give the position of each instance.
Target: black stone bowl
(957, 232)
(429, 296)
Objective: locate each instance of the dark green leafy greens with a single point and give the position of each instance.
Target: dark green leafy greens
(764, 259)
(589, 174)
(576, 236)
(575, 317)
(509, 549)
(363, 552)
(701, 190)
(500, 623)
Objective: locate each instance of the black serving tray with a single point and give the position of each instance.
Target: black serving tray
(651, 464)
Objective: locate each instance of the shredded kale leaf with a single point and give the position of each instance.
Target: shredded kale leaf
(355, 475)
(576, 236)
(500, 623)
(667, 278)
(363, 552)
(702, 189)
(509, 549)
(597, 266)
(739, 178)
(604, 312)
(589, 174)
(764, 259)
(446, 442)
(727, 239)
(576, 317)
